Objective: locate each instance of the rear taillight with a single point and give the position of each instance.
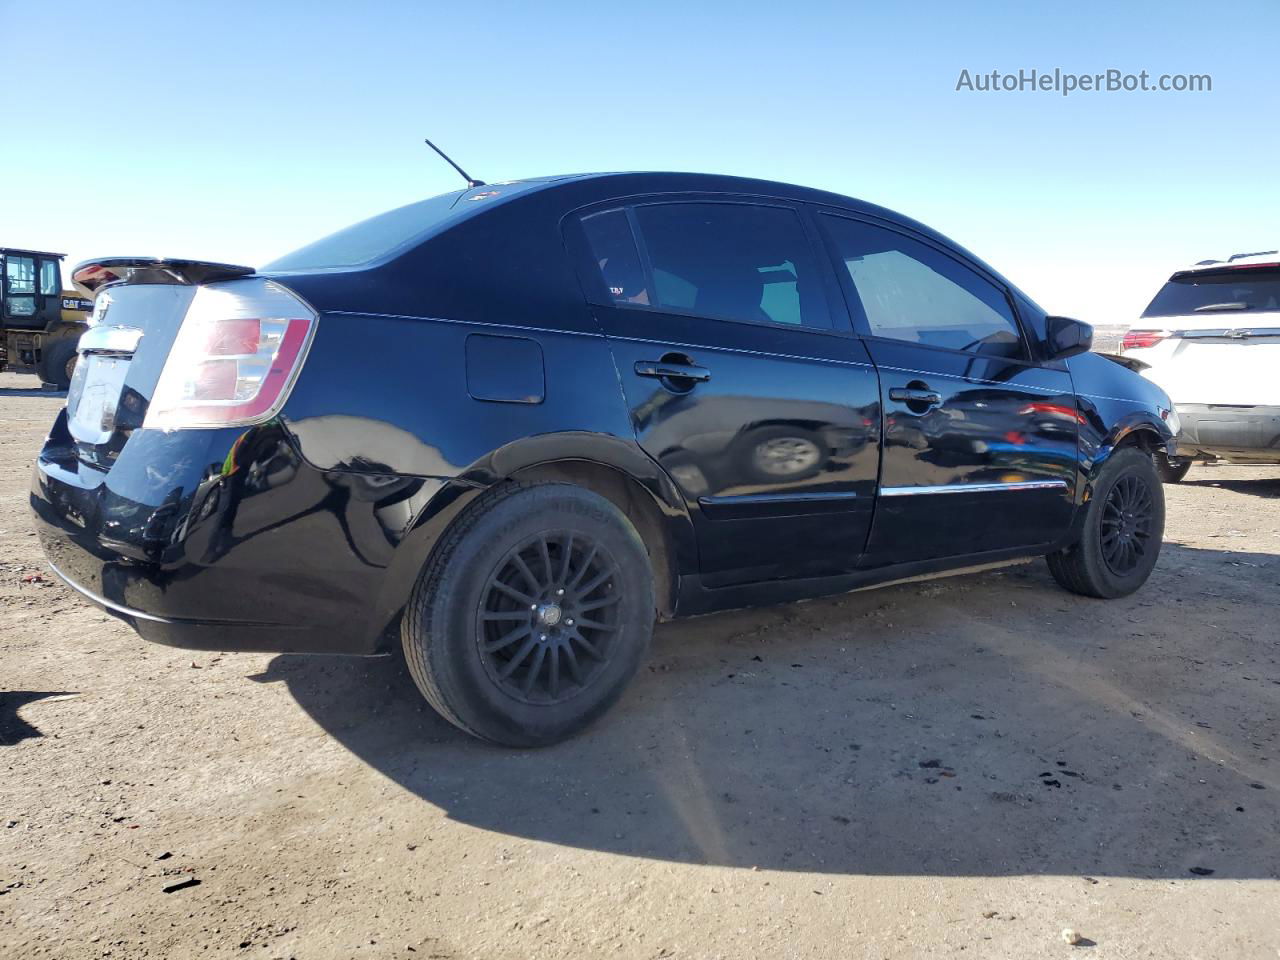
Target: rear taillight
(1142, 338)
(235, 358)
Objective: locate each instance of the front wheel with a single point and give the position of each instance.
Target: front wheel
(532, 615)
(58, 363)
(1123, 529)
(1170, 469)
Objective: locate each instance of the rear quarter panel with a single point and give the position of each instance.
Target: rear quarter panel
(386, 387)
(384, 394)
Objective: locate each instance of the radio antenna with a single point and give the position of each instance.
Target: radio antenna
(465, 176)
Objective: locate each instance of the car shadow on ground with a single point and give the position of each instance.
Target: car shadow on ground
(7, 392)
(985, 725)
(1262, 487)
(14, 729)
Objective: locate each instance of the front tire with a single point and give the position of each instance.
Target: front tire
(532, 615)
(1123, 530)
(58, 363)
(1170, 469)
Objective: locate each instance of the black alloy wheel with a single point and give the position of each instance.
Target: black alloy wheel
(548, 618)
(1121, 527)
(532, 614)
(1126, 524)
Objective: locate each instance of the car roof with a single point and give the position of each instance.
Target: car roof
(620, 185)
(517, 225)
(663, 181)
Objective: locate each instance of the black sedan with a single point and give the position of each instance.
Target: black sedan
(510, 427)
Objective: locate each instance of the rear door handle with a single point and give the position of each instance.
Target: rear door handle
(914, 395)
(672, 371)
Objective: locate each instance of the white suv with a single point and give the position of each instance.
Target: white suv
(1211, 339)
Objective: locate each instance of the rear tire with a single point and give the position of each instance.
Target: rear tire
(532, 615)
(1123, 530)
(1170, 469)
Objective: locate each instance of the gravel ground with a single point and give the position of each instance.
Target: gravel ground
(965, 766)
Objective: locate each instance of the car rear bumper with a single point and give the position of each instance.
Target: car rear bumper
(215, 634)
(228, 540)
(1237, 433)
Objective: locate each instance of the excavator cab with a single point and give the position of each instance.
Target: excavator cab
(39, 322)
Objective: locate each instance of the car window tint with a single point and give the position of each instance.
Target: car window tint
(1218, 293)
(910, 291)
(613, 248)
(673, 291)
(370, 239)
(733, 262)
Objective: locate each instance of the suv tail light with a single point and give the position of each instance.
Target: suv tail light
(235, 358)
(1142, 338)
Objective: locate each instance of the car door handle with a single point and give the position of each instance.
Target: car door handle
(662, 370)
(915, 395)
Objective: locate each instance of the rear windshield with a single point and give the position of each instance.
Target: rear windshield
(375, 237)
(1227, 292)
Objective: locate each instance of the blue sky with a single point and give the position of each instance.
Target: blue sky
(238, 131)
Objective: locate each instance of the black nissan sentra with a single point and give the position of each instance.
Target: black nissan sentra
(510, 427)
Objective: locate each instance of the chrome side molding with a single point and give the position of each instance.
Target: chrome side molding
(975, 488)
(748, 498)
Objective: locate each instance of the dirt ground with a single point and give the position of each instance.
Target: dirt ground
(962, 767)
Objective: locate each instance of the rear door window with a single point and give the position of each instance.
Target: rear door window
(616, 256)
(910, 291)
(742, 262)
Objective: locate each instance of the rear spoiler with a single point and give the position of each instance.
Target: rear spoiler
(92, 274)
(1220, 269)
(1133, 363)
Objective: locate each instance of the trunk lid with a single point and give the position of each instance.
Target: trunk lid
(1222, 324)
(121, 358)
(1213, 363)
(139, 306)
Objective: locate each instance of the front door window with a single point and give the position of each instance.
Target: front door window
(909, 291)
(979, 443)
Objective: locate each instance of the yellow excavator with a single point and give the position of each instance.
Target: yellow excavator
(40, 322)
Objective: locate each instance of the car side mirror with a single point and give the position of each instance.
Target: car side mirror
(1067, 337)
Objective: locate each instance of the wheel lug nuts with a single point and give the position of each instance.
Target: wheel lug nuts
(559, 593)
(569, 623)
